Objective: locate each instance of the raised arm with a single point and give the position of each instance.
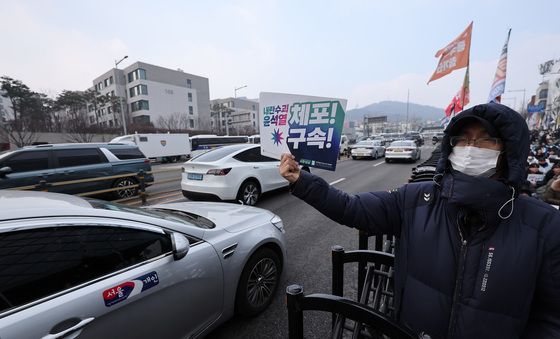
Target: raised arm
(374, 212)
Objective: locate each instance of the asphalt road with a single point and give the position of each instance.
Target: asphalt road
(310, 236)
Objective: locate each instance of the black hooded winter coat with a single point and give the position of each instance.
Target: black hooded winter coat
(501, 280)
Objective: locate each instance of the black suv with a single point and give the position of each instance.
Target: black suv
(65, 162)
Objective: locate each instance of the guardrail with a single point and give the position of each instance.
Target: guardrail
(43, 185)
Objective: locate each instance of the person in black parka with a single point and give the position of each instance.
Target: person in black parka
(473, 258)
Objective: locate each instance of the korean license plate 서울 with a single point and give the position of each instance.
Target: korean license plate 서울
(194, 176)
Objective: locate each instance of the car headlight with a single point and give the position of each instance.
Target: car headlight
(277, 222)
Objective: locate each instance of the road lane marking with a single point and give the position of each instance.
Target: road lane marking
(337, 181)
(379, 163)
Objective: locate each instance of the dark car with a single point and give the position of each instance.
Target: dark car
(417, 137)
(55, 163)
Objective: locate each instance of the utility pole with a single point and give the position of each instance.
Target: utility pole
(407, 104)
(120, 98)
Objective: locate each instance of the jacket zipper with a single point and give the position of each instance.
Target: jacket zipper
(458, 285)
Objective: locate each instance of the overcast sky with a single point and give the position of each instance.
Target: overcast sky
(362, 50)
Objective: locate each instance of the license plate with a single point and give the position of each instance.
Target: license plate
(194, 176)
(397, 150)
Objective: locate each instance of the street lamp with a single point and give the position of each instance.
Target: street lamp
(120, 98)
(235, 97)
(523, 104)
(238, 88)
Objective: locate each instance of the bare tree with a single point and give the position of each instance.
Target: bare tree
(18, 135)
(176, 122)
(76, 121)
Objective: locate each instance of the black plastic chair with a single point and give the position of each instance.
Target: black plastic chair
(298, 303)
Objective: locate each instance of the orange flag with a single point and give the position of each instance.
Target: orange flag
(455, 55)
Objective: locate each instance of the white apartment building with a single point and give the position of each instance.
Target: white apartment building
(548, 94)
(150, 93)
(243, 116)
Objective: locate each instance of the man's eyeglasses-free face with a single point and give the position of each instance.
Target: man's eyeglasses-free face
(487, 142)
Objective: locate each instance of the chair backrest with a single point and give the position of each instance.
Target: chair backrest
(343, 307)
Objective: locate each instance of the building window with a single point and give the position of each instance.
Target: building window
(189, 84)
(100, 86)
(140, 105)
(110, 123)
(138, 90)
(231, 104)
(254, 108)
(189, 95)
(111, 80)
(91, 119)
(137, 74)
(191, 123)
(191, 110)
(109, 109)
(106, 82)
(143, 119)
(254, 117)
(543, 94)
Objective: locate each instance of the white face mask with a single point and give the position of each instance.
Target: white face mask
(474, 160)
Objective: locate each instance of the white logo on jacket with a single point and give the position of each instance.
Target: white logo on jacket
(487, 268)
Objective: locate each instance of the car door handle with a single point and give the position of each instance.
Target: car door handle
(76, 327)
(256, 167)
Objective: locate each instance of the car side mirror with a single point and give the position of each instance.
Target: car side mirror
(4, 171)
(180, 245)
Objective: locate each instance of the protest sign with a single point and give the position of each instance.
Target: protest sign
(308, 127)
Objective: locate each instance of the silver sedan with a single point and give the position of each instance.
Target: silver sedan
(403, 150)
(74, 267)
(368, 149)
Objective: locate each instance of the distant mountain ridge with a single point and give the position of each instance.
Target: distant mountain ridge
(396, 111)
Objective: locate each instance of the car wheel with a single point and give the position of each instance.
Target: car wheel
(354, 157)
(249, 193)
(258, 283)
(387, 160)
(125, 192)
(375, 156)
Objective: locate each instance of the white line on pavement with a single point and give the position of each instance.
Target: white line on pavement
(379, 163)
(337, 181)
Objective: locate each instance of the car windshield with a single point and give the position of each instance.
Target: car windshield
(218, 153)
(403, 144)
(186, 218)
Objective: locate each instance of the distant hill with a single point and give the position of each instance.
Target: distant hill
(396, 111)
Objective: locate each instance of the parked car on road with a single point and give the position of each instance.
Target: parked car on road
(402, 150)
(54, 163)
(368, 149)
(81, 267)
(235, 172)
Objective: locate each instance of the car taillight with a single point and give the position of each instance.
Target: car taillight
(389, 150)
(408, 149)
(146, 161)
(219, 171)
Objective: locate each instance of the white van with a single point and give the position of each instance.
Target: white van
(164, 147)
